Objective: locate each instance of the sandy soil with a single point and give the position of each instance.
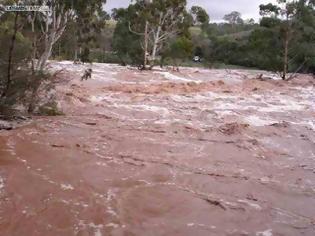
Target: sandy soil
(199, 152)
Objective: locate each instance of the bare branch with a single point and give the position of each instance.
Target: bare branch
(134, 32)
(293, 75)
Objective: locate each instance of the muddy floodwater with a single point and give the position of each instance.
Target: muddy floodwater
(195, 152)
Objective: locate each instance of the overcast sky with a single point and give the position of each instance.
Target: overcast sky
(216, 8)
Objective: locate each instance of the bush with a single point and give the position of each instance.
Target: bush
(50, 109)
(19, 88)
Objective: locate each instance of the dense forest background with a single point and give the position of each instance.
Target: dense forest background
(285, 34)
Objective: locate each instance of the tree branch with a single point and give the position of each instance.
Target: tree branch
(134, 32)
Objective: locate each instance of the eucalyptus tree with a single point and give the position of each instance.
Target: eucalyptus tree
(128, 46)
(32, 35)
(304, 45)
(199, 14)
(157, 21)
(50, 25)
(234, 18)
(294, 22)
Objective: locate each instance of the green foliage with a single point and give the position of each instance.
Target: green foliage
(304, 44)
(181, 48)
(177, 52)
(14, 59)
(88, 24)
(262, 46)
(270, 22)
(19, 84)
(264, 50)
(234, 18)
(269, 9)
(296, 28)
(66, 47)
(126, 44)
(104, 57)
(164, 20)
(200, 15)
(224, 29)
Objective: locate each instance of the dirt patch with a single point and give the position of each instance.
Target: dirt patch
(233, 128)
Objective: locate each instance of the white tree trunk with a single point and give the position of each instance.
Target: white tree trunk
(41, 63)
(162, 32)
(156, 43)
(54, 25)
(145, 59)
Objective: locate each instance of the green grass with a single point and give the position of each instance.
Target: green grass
(111, 24)
(195, 30)
(237, 36)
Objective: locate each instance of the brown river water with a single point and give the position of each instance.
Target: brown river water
(196, 152)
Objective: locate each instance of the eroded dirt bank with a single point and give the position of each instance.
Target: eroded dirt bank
(201, 152)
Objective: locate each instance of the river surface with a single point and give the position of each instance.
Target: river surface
(195, 152)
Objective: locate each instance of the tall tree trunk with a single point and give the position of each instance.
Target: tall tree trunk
(156, 43)
(13, 39)
(34, 43)
(54, 26)
(46, 54)
(80, 55)
(59, 50)
(76, 50)
(76, 54)
(31, 104)
(146, 39)
(285, 57)
(35, 87)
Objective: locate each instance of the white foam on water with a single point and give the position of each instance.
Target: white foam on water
(97, 98)
(275, 77)
(101, 164)
(152, 108)
(200, 225)
(267, 232)
(225, 112)
(169, 76)
(102, 68)
(66, 186)
(283, 106)
(113, 225)
(1, 183)
(101, 77)
(66, 62)
(97, 229)
(258, 121)
(308, 123)
(311, 123)
(254, 205)
(110, 195)
(107, 65)
(111, 211)
(97, 232)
